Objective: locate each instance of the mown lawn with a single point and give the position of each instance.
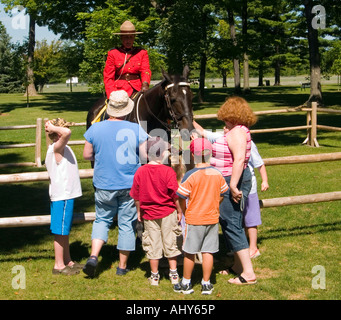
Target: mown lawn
(293, 240)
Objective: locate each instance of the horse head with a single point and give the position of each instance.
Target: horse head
(178, 96)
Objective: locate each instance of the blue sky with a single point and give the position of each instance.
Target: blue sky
(17, 27)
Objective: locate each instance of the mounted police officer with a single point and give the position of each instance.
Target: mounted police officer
(127, 68)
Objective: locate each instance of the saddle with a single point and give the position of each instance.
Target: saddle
(102, 114)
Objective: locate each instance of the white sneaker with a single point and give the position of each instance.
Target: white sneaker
(174, 278)
(154, 280)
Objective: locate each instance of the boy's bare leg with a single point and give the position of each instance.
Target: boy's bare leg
(154, 265)
(172, 263)
(189, 262)
(207, 265)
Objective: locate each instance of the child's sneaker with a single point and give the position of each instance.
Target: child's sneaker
(154, 280)
(185, 289)
(174, 278)
(206, 288)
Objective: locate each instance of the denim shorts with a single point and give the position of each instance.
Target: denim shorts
(112, 203)
(231, 217)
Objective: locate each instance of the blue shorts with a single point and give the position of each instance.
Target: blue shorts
(61, 216)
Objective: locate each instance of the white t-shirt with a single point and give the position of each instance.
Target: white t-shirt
(255, 161)
(65, 183)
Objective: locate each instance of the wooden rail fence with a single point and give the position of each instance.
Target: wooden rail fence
(88, 173)
(37, 144)
(311, 127)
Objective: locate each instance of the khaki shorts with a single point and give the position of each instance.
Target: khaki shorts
(160, 237)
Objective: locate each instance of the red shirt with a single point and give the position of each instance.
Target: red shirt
(138, 64)
(155, 187)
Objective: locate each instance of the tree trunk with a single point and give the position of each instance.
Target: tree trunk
(201, 93)
(224, 75)
(31, 90)
(246, 88)
(277, 69)
(314, 56)
(260, 73)
(203, 62)
(236, 70)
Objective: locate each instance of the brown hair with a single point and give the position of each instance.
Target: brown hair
(237, 111)
(59, 122)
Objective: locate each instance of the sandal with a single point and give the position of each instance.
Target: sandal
(255, 254)
(121, 272)
(90, 266)
(242, 281)
(67, 271)
(228, 271)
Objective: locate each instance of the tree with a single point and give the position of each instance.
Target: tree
(71, 56)
(314, 55)
(46, 62)
(11, 64)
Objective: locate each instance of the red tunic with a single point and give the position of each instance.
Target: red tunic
(118, 79)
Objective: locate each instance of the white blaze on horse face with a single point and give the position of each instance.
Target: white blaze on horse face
(184, 91)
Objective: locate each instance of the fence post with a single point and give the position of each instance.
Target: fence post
(313, 132)
(38, 143)
(311, 138)
(47, 139)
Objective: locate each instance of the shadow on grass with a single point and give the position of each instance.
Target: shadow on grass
(64, 101)
(282, 96)
(299, 231)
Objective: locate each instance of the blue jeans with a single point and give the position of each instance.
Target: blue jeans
(231, 216)
(110, 203)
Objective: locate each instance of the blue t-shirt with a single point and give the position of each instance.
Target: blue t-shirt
(116, 150)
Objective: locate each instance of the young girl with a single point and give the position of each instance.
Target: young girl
(65, 186)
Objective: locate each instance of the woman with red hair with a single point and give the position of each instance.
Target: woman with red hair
(230, 154)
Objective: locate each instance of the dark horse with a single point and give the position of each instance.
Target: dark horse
(165, 106)
(167, 103)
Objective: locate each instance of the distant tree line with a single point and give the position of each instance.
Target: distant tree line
(229, 38)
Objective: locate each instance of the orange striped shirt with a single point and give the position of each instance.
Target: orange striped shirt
(203, 188)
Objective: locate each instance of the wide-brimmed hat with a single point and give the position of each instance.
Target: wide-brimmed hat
(127, 28)
(119, 104)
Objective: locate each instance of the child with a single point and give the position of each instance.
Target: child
(251, 213)
(203, 186)
(65, 186)
(154, 191)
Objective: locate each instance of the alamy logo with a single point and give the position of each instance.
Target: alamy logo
(319, 21)
(319, 281)
(19, 18)
(19, 280)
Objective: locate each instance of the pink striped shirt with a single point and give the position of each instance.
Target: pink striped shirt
(222, 158)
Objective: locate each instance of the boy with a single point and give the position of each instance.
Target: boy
(203, 186)
(154, 191)
(65, 186)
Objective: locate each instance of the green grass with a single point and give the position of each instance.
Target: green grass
(292, 239)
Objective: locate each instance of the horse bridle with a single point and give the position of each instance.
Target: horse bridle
(175, 118)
